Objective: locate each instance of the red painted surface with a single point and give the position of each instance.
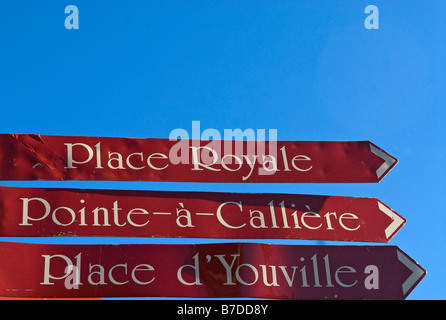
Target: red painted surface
(41, 157)
(207, 270)
(29, 212)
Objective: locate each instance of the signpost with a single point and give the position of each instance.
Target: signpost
(224, 270)
(41, 157)
(124, 213)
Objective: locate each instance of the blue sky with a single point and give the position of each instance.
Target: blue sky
(309, 69)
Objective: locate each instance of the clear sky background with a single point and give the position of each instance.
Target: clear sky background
(309, 69)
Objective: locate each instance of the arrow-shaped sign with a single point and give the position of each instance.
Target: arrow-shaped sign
(40, 157)
(124, 213)
(207, 270)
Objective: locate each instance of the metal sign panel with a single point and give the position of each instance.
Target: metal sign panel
(30, 212)
(207, 270)
(42, 157)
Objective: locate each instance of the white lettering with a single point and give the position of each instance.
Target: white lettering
(25, 211)
(156, 156)
(71, 161)
(312, 273)
(300, 158)
(223, 221)
(47, 276)
(196, 270)
(117, 274)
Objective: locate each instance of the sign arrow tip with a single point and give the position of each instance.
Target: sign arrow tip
(397, 220)
(389, 161)
(417, 272)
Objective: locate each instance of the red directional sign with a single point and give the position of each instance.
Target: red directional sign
(40, 157)
(207, 270)
(28, 212)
